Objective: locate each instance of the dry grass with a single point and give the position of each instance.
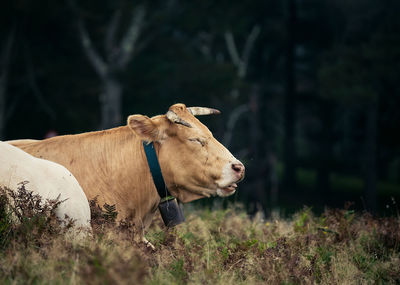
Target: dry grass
(212, 247)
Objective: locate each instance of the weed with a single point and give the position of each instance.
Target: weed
(213, 247)
(27, 220)
(178, 272)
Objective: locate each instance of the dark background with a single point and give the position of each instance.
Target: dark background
(308, 89)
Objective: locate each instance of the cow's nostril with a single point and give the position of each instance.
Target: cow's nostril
(237, 167)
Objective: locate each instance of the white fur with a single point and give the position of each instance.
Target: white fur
(46, 178)
(222, 193)
(228, 176)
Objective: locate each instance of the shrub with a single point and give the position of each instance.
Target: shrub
(213, 247)
(28, 220)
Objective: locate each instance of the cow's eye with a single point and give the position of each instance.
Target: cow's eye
(197, 140)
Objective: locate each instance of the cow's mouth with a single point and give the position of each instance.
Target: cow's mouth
(230, 188)
(227, 191)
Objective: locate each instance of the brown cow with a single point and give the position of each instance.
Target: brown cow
(112, 165)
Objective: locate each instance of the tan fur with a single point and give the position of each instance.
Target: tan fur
(109, 165)
(112, 166)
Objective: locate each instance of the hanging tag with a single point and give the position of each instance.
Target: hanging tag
(171, 212)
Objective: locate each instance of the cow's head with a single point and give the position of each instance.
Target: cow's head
(193, 162)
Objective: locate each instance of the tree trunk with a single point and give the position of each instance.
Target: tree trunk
(325, 153)
(3, 82)
(273, 181)
(111, 104)
(290, 104)
(118, 55)
(370, 157)
(258, 165)
(4, 63)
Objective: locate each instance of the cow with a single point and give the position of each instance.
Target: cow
(47, 179)
(111, 164)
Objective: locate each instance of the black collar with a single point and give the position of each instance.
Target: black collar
(170, 210)
(155, 170)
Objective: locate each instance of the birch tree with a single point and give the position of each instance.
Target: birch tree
(264, 169)
(118, 54)
(241, 62)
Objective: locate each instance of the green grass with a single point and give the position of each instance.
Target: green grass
(339, 246)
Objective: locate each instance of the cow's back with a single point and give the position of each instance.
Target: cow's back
(48, 179)
(110, 166)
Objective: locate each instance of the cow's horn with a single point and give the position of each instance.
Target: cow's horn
(198, 111)
(176, 119)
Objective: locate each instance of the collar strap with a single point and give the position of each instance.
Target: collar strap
(155, 170)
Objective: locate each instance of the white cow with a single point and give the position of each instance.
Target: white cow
(46, 178)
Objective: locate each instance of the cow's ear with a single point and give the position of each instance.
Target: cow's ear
(144, 127)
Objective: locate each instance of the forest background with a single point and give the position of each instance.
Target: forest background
(308, 89)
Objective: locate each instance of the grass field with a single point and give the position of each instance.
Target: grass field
(212, 247)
